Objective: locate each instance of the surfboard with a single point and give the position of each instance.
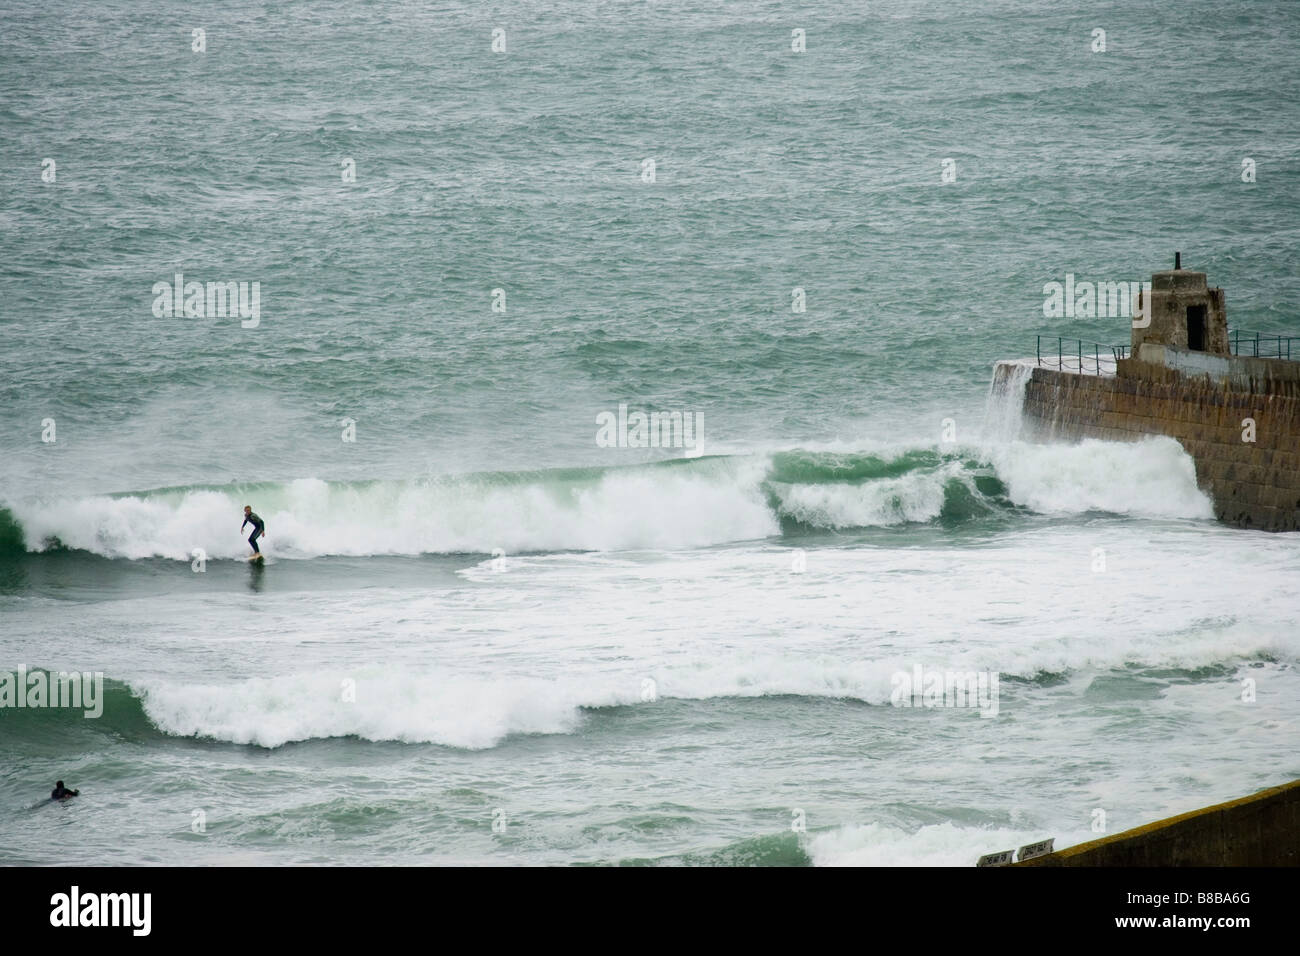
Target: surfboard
(257, 558)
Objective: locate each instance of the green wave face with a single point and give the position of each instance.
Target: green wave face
(919, 486)
(11, 536)
(809, 467)
(60, 729)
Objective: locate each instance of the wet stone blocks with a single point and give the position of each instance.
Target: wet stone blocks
(1243, 435)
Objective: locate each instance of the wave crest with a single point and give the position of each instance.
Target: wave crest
(683, 503)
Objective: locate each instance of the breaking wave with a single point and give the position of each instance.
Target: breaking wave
(676, 504)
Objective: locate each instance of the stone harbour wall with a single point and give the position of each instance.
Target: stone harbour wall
(1253, 484)
(1260, 830)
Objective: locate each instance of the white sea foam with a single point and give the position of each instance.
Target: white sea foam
(937, 845)
(401, 703)
(623, 509)
(914, 497)
(1154, 477)
(391, 704)
(708, 502)
(1004, 407)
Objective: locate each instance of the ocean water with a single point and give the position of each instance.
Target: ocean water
(482, 636)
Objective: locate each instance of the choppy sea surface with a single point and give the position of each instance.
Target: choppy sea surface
(485, 635)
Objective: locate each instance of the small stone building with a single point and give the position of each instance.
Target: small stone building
(1184, 313)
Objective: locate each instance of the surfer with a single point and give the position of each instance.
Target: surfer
(60, 792)
(259, 528)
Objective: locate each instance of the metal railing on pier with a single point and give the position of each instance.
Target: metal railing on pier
(1093, 358)
(1076, 355)
(1263, 344)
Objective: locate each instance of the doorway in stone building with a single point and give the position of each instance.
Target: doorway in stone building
(1196, 328)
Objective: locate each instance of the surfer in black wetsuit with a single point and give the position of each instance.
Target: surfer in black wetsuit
(259, 528)
(60, 792)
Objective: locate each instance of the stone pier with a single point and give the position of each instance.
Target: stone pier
(1237, 417)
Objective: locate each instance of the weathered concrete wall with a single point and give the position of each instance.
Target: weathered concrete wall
(1269, 376)
(1252, 484)
(1259, 830)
